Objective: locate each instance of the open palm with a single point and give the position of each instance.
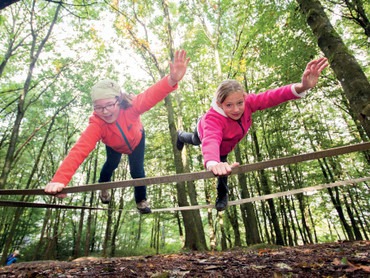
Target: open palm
(178, 68)
(312, 72)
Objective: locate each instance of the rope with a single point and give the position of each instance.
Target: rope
(197, 175)
(231, 203)
(269, 196)
(43, 205)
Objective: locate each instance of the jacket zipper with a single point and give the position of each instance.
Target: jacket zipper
(240, 123)
(124, 137)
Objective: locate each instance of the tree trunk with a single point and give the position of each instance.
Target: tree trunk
(349, 73)
(77, 248)
(117, 225)
(232, 215)
(356, 230)
(18, 213)
(44, 225)
(220, 215)
(35, 53)
(248, 215)
(89, 218)
(266, 190)
(212, 233)
(107, 236)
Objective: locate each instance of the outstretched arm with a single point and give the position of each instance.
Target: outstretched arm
(178, 68)
(311, 75)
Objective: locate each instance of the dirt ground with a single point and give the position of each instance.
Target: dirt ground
(341, 259)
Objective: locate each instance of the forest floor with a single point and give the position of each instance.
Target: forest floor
(341, 259)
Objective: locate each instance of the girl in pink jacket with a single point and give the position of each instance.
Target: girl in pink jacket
(229, 119)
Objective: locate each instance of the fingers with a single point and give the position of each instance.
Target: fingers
(54, 188)
(61, 196)
(179, 66)
(322, 64)
(222, 169)
(317, 66)
(180, 56)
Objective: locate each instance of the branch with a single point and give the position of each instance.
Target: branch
(37, 129)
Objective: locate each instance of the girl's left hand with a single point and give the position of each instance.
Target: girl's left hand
(312, 73)
(178, 68)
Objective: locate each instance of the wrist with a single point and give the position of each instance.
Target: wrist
(210, 164)
(171, 81)
(299, 88)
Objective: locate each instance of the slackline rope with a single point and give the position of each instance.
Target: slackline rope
(231, 203)
(197, 175)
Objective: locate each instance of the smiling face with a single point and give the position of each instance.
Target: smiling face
(107, 109)
(233, 105)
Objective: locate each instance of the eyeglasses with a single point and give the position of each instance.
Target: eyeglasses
(109, 107)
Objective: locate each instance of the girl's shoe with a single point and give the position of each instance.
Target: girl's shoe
(104, 196)
(143, 207)
(221, 202)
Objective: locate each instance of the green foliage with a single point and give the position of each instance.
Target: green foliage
(262, 44)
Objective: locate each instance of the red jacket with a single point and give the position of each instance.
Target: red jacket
(220, 134)
(123, 136)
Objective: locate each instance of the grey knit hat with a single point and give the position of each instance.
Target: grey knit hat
(105, 89)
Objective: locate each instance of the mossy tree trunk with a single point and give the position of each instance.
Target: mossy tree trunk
(349, 73)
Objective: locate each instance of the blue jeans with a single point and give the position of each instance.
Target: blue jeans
(11, 261)
(136, 162)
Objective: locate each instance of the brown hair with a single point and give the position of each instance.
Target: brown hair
(125, 100)
(226, 88)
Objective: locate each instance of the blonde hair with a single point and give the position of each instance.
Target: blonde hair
(226, 88)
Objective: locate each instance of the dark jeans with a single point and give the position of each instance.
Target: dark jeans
(136, 162)
(190, 137)
(193, 139)
(222, 187)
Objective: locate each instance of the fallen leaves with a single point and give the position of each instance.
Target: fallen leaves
(343, 259)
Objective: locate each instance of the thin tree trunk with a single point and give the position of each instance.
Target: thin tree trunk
(117, 224)
(212, 233)
(44, 225)
(249, 217)
(356, 230)
(107, 236)
(266, 191)
(35, 53)
(232, 215)
(222, 230)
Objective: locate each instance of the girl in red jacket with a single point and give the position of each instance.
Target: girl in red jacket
(229, 119)
(116, 122)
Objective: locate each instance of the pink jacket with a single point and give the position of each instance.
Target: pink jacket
(220, 134)
(122, 136)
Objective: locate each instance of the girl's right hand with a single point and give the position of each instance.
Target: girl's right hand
(178, 68)
(54, 188)
(222, 168)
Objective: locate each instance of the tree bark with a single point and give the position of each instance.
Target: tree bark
(349, 73)
(249, 217)
(266, 190)
(35, 53)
